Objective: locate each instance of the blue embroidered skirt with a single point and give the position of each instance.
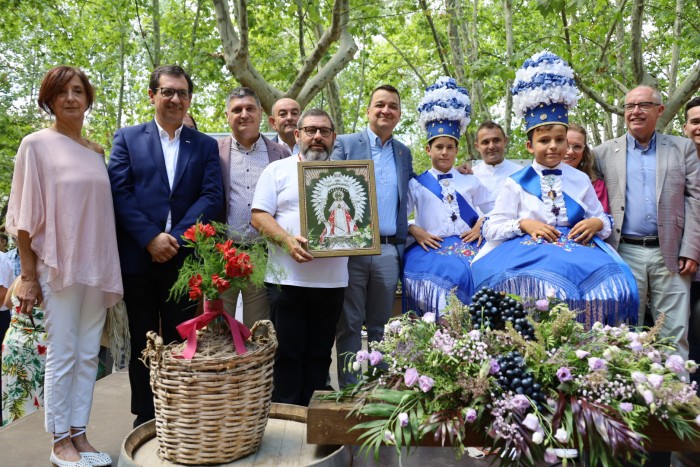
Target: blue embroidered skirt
(430, 276)
(590, 278)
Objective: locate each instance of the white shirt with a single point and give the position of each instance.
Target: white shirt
(436, 215)
(277, 194)
(514, 204)
(171, 151)
(7, 274)
(493, 176)
(246, 167)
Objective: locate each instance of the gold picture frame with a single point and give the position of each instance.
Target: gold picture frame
(338, 208)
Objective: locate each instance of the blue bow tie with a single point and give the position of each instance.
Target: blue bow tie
(441, 176)
(551, 172)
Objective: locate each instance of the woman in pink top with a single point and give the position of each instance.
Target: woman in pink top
(579, 157)
(61, 211)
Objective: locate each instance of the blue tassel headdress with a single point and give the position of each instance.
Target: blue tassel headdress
(445, 109)
(544, 90)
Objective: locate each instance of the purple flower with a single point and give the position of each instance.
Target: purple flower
(597, 364)
(581, 354)
(626, 407)
(403, 419)
(562, 436)
(375, 357)
(638, 377)
(425, 383)
(495, 367)
(520, 403)
(538, 437)
(474, 334)
(429, 317)
(551, 293)
(411, 377)
(675, 363)
(389, 437)
(531, 422)
(636, 346)
(564, 374)
(654, 356)
(648, 396)
(470, 415)
(655, 380)
(395, 326)
(361, 356)
(550, 456)
(542, 305)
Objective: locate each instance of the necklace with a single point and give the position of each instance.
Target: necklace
(549, 181)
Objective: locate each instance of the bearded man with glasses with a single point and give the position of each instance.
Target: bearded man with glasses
(164, 177)
(654, 192)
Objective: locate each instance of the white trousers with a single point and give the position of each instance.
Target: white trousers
(74, 320)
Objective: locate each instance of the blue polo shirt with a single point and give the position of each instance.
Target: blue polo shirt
(640, 195)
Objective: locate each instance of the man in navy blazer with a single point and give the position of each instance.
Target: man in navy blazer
(164, 178)
(369, 297)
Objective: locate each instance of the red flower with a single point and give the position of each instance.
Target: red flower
(226, 249)
(195, 293)
(190, 234)
(220, 283)
(41, 349)
(195, 281)
(239, 266)
(207, 229)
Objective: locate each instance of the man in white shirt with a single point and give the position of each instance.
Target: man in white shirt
(491, 142)
(305, 293)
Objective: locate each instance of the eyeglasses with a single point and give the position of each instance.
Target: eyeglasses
(312, 130)
(643, 106)
(575, 147)
(168, 93)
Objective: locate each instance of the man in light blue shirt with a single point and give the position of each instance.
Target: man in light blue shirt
(653, 185)
(372, 283)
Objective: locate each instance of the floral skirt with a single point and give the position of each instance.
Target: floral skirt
(430, 276)
(590, 278)
(23, 361)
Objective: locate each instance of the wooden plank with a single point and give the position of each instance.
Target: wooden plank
(328, 423)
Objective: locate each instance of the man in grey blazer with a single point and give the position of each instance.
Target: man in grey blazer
(244, 155)
(372, 282)
(654, 193)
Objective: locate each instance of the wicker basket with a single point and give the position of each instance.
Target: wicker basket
(212, 409)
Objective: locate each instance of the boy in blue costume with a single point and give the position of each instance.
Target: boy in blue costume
(447, 227)
(545, 233)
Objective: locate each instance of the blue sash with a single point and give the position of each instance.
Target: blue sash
(466, 212)
(529, 180)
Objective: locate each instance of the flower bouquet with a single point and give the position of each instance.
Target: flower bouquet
(525, 376)
(212, 402)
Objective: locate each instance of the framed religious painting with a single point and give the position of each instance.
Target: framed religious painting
(338, 208)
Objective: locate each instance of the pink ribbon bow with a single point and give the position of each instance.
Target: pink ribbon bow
(212, 309)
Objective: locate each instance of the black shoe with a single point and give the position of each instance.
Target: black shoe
(141, 419)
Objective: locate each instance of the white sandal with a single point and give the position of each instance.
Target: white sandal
(96, 459)
(60, 462)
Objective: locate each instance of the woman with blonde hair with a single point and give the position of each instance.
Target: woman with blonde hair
(579, 156)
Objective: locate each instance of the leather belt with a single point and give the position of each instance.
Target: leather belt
(641, 241)
(391, 240)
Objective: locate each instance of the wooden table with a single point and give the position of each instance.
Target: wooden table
(328, 423)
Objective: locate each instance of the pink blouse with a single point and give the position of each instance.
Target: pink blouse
(61, 196)
(602, 193)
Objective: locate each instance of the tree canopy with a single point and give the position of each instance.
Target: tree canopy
(332, 53)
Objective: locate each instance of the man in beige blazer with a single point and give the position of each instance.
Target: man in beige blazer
(654, 189)
(244, 155)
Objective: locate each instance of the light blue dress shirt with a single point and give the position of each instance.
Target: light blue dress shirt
(640, 196)
(386, 181)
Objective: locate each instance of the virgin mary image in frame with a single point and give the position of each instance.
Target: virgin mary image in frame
(338, 208)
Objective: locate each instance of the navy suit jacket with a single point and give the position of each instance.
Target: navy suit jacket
(142, 194)
(356, 146)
